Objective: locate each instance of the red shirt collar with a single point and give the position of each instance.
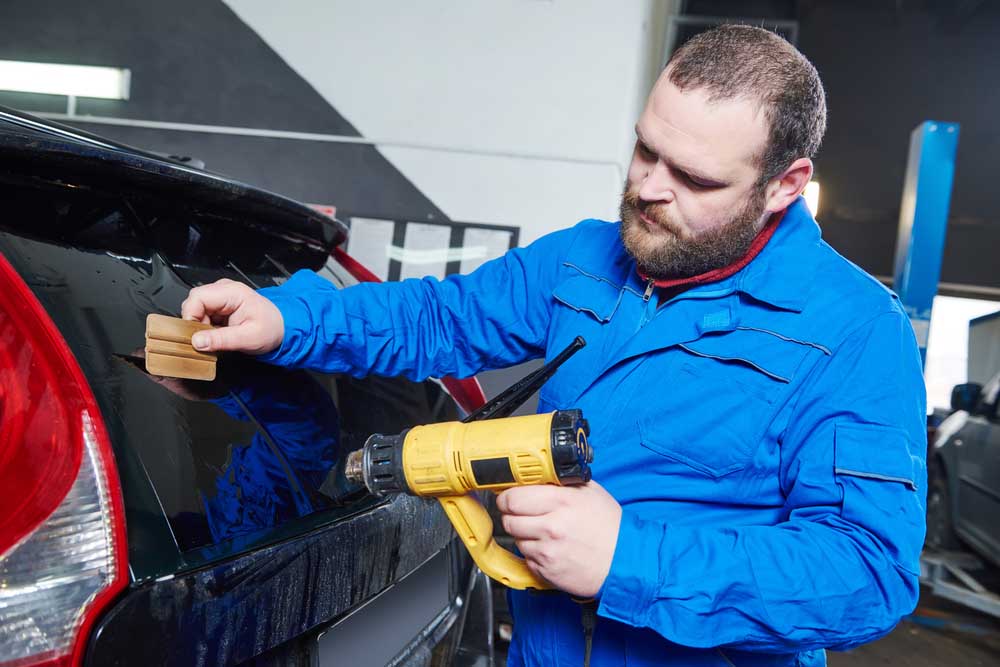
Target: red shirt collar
(715, 275)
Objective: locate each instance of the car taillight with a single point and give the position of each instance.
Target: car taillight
(62, 523)
(468, 393)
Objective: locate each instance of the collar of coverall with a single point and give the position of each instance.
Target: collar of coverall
(716, 275)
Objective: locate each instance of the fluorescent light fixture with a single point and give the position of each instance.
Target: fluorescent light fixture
(812, 197)
(110, 83)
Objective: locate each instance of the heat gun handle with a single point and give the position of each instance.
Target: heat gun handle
(473, 524)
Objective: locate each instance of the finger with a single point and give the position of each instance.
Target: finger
(189, 310)
(220, 298)
(524, 527)
(593, 487)
(529, 560)
(535, 553)
(237, 338)
(192, 309)
(536, 570)
(531, 500)
(528, 549)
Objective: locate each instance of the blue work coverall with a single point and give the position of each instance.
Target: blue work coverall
(764, 434)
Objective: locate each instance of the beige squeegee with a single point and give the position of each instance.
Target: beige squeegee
(169, 352)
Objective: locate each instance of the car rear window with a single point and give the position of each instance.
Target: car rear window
(207, 469)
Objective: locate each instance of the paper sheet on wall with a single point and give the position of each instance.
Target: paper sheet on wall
(425, 251)
(492, 242)
(370, 242)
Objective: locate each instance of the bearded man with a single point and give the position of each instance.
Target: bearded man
(756, 400)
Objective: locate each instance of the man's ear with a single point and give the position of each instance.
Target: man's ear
(782, 190)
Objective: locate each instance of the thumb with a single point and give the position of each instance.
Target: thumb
(233, 338)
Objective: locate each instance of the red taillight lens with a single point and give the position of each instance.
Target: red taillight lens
(468, 392)
(39, 456)
(62, 526)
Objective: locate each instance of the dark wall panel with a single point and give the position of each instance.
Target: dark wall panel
(889, 65)
(887, 68)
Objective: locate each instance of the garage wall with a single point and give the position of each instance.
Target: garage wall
(516, 112)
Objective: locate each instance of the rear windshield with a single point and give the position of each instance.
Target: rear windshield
(208, 469)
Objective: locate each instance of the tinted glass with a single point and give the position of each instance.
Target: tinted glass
(208, 469)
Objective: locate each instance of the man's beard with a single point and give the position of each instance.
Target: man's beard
(678, 254)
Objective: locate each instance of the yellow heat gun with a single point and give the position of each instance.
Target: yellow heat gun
(486, 450)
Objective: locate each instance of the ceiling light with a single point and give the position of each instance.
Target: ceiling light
(109, 83)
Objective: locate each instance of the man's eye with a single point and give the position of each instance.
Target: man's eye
(645, 150)
(698, 183)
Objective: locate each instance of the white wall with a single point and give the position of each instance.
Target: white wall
(514, 112)
(984, 349)
(948, 346)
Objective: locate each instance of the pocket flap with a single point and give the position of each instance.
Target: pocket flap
(595, 297)
(767, 353)
(875, 452)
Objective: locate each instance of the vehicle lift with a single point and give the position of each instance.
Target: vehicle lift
(923, 222)
(948, 575)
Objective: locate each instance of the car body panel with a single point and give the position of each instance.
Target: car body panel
(271, 596)
(968, 448)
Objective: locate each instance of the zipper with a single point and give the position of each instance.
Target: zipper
(648, 305)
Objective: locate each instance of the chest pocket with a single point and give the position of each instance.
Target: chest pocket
(587, 294)
(584, 305)
(726, 388)
(760, 362)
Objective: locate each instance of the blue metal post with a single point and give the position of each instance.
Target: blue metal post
(923, 220)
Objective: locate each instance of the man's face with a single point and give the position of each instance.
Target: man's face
(692, 202)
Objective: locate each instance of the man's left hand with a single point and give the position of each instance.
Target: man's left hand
(567, 534)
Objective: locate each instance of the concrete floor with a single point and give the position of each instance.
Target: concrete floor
(963, 638)
(940, 634)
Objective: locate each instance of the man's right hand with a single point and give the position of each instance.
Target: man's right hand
(250, 322)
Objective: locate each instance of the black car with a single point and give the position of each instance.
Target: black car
(149, 521)
(963, 498)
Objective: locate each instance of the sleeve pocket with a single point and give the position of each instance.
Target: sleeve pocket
(879, 475)
(874, 452)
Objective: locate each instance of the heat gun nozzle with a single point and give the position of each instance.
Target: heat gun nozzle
(354, 467)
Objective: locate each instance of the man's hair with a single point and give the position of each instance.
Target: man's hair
(740, 61)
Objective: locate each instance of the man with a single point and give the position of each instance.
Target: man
(756, 401)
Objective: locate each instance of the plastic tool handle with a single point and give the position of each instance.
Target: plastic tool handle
(472, 523)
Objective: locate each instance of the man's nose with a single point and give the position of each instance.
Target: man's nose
(657, 186)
